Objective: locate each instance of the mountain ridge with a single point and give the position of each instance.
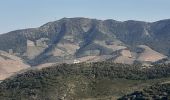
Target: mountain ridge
(88, 36)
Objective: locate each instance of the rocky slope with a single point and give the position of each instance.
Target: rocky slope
(10, 64)
(68, 39)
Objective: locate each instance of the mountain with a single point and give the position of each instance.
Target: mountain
(84, 39)
(103, 43)
(84, 81)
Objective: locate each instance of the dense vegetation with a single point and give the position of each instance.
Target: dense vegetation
(104, 80)
(155, 92)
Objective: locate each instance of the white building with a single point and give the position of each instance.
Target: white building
(76, 61)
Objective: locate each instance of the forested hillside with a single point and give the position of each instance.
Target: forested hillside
(100, 80)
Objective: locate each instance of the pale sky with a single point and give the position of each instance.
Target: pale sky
(20, 14)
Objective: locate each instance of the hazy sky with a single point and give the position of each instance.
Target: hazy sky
(19, 14)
